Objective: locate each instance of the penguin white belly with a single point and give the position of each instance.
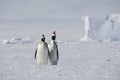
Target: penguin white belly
(42, 55)
(53, 55)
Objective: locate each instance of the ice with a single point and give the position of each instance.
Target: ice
(87, 28)
(109, 30)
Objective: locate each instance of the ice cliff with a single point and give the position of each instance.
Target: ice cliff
(105, 28)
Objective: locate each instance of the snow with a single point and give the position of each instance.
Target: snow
(17, 40)
(92, 60)
(107, 29)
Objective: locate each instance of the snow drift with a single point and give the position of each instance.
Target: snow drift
(102, 29)
(17, 40)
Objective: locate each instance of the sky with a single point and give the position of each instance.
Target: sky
(56, 9)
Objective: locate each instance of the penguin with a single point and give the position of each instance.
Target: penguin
(42, 51)
(53, 50)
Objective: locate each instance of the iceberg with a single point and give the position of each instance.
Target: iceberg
(107, 28)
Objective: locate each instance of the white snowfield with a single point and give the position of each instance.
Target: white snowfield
(92, 60)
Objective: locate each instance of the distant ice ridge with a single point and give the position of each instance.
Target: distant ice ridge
(17, 40)
(102, 29)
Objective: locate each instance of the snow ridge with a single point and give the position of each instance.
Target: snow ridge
(17, 40)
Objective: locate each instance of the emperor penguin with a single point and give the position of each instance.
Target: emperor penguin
(53, 50)
(42, 51)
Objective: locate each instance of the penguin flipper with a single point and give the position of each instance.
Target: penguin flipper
(35, 53)
(57, 52)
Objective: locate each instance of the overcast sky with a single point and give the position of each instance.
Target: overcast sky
(56, 9)
(31, 17)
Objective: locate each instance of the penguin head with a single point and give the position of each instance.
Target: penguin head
(43, 37)
(53, 37)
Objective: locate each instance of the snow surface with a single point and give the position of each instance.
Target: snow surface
(92, 60)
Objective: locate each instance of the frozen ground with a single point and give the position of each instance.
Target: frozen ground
(92, 60)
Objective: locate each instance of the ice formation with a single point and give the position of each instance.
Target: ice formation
(87, 28)
(109, 30)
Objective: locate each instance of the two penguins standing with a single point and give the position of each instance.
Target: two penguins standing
(47, 54)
